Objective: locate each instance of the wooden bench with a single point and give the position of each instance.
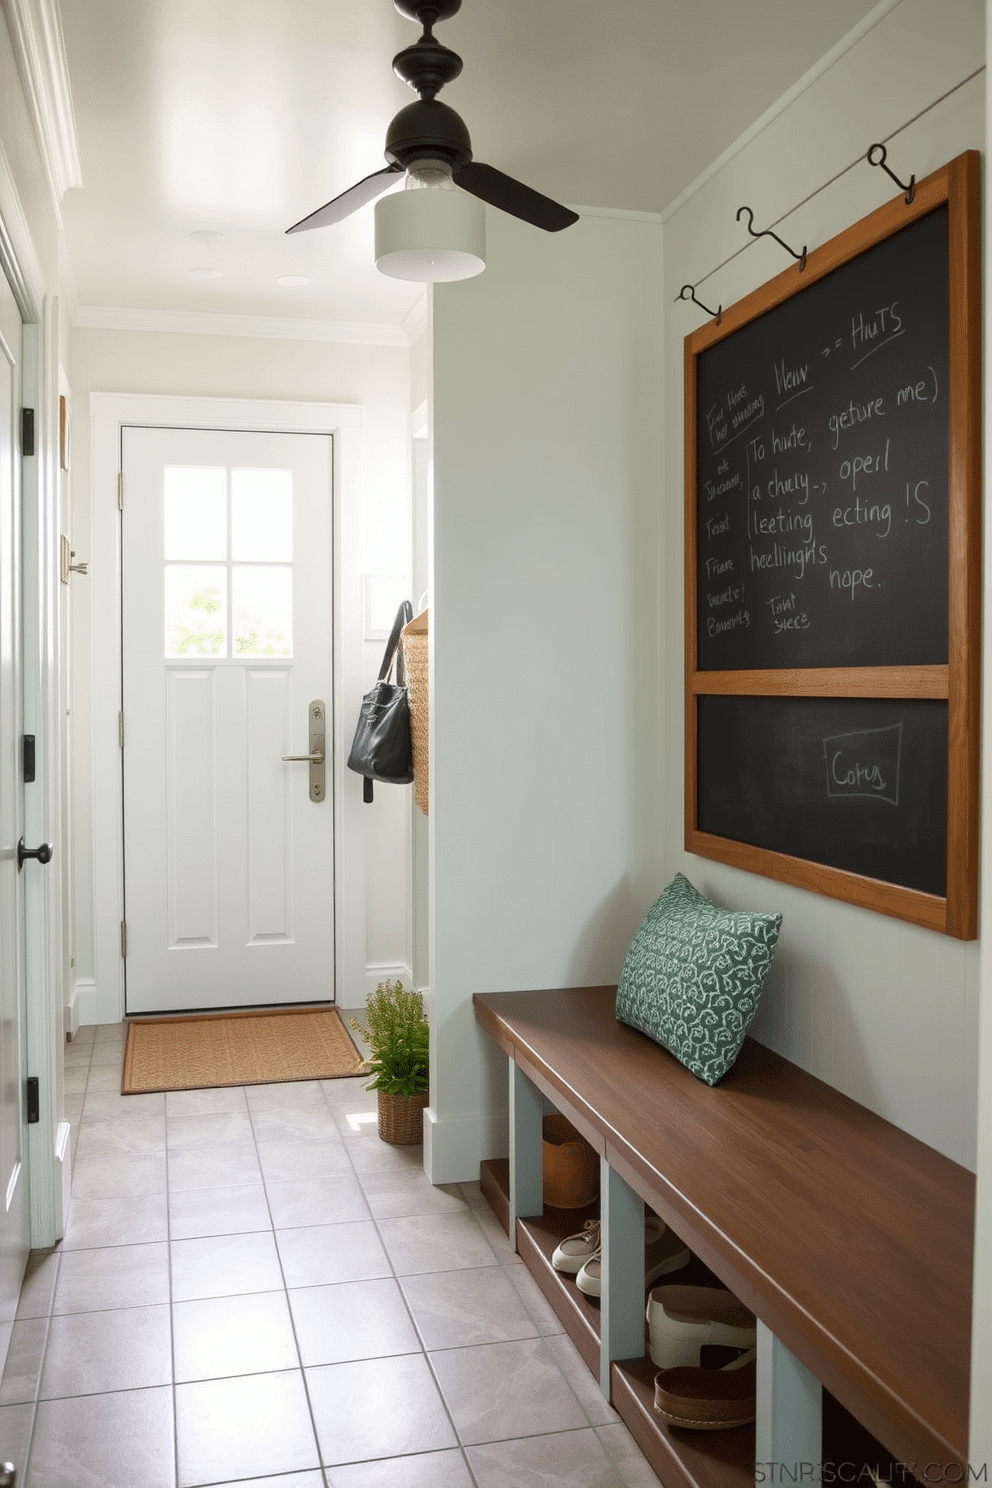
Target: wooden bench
(849, 1239)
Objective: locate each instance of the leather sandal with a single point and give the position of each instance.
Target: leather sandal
(708, 1399)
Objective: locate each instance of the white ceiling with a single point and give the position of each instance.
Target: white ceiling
(241, 116)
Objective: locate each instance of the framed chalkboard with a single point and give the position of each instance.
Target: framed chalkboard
(833, 566)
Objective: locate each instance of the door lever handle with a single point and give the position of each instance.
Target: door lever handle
(42, 853)
(310, 759)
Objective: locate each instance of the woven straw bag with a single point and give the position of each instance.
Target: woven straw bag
(414, 640)
(571, 1167)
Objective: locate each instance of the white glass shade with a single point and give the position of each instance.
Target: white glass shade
(430, 235)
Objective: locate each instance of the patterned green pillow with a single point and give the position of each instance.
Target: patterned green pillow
(693, 976)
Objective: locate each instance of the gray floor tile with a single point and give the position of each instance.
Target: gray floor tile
(312, 1123)
(426, 1470)
(142, 1136)
(22, 1370)
(205, 1102)
(435, 1242)
(285, 1159)
(77, 1056)
(100, 1178)
(299, 1095)
(233, 1165)
(233, 1335)
(345, 1092)
(226, 1429)
(110, 1105)
(454, 1309)
(117, 1221)
(119, 1276)
(319, 1255)
(353, 1320)
(503, 1390)
(313, 1479)
(496, 1235)
(393, 1195)
(627, 1457)
(198, 1212)
(108, 1054)
(74, 1080)
(567, 1459)
(123, 1440)
(224, 1266)
(16, 1422)
(377, 1408)
(316, 1201)
(94, 1353)
(585, 1388)
(537, 1305)
(105, 1077)
(185, 1133)
(38, 1286)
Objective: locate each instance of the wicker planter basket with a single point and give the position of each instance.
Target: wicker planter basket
(401, 1118)
(571, 1167)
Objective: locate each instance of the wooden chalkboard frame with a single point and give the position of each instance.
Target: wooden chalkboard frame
(956, 913)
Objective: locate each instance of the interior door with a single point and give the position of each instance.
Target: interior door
(13, 1133)
(226, 614)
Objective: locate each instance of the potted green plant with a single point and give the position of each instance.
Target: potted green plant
(398, 1035)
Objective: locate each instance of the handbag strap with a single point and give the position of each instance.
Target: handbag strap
(403, 617)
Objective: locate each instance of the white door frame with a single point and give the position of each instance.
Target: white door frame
(48, 1166)
(109, 413)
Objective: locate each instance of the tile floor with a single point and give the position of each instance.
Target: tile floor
(254, 1289)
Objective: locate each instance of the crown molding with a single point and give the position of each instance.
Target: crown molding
(18, 256)
(39, 50)
(264, 327)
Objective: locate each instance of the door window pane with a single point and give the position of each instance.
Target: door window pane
(262, 516)
(262, 603)
(195, 609)
(196, 512)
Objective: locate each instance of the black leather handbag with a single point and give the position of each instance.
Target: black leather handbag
(382, 748)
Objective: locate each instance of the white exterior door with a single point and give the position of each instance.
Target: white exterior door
(13, 1134)
(226, 647)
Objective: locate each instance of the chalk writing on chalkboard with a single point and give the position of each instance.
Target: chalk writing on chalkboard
(864, 763)
(822, 512)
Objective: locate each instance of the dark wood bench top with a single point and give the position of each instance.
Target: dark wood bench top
(848, 1237)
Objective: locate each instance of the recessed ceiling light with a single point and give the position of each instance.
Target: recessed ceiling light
(292, 281)
(207, 238)
(205, 273)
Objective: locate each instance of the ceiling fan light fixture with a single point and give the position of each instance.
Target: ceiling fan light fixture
(430, 234)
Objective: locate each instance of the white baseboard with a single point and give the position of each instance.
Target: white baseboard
(454, 1148)
(385, 971)
(83, 1004)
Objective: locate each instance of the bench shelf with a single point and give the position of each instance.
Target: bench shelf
(849, 1239)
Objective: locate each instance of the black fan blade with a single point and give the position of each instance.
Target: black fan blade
(512, 196)
(349, 201)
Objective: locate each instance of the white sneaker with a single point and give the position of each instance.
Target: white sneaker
(573, 1252)
(681, 1319)
(663, 1252)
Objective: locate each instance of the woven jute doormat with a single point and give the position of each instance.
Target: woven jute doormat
(260, 1047)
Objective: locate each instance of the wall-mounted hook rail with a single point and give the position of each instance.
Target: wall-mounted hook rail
(767, 233)
(910, 190)
(717, 314)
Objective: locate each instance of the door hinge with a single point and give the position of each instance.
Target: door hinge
(120, 490)
(28, 758)
(123, 940)
(27, 431)
(120, 729)
(33, 1100)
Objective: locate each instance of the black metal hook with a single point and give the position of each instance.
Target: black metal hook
(717, 314)
(767, 233)
(910, 190)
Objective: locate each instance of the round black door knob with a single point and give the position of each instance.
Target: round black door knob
(42, 853)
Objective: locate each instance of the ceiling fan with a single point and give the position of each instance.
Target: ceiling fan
(427, 138)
